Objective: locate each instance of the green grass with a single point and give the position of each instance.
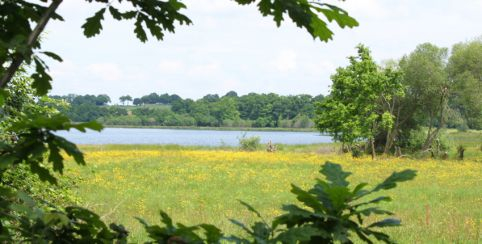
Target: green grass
(202, 184)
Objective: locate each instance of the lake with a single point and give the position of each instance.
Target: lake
(189, 137)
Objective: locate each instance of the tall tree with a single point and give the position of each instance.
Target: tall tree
(465, 73)
(124, 99)
(356, 108)
(427, 88)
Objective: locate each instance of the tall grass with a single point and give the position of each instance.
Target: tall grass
(194, 185)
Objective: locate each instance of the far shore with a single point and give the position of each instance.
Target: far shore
(215, 128)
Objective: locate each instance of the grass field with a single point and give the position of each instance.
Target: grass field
(442, 205)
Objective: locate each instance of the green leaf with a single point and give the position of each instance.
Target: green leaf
(139, 30)
(335, 174)
(213, 234)
(53, 56)
(93, 125)
(306, 198)
(43, 173)
(244, 227)
(376, 200)
(93, 25)
(386, 223)
(41, 79)
(300, 234)
(166, 219)
(115, 13)
(6, 160)
(396, 177)
(3, 96)
(374, 210)
(250, 208)
(56, 158)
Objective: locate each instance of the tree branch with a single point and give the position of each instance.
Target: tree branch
(32, 38)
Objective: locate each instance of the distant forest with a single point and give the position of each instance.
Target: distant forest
(230, 110)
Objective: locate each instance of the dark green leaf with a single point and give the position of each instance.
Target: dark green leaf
(386, 223)
(93, 25)
(53, 55)
(41, 79)
(306, 198)
(335, 174)
(250, 208)
(213, 234)
(300, 234)
(395, 178)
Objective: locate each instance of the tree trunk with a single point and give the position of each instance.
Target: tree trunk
(372, 143)
(433, 135)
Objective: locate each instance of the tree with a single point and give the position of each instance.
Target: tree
(427, 88)
(137, 101)
(124, 99)
(21, 23)
(355, 109)
(465, 74)
(231, 94)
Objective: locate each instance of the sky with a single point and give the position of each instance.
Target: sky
(232, 47)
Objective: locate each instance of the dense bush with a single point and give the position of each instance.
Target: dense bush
(417, 139)
(251, 143)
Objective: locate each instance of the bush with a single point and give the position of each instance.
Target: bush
(249, 143)
(356, 151)
(331, 212)
(417, 139)
(460, 152)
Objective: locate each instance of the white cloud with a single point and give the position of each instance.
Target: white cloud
(170, 66)
(322, 67)
(211, 6)
(208, 69)
(106, 71)
(286, 61)
(64, 68)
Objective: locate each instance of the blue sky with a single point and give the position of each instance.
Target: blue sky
(231, 47)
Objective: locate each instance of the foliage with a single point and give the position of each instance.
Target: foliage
(460, 152)
(22, 22)
(251, 110)
(355, 109)
(331, 212)
(180, 233)
(428, 88)
(417, 139)
(251, 143)
(465, 71)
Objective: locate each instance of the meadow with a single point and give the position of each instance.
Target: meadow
(202, 185)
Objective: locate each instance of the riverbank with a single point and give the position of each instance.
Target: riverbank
(215, 128)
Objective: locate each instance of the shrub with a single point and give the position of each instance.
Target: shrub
(356, 151)
(460, 152)
(251, 143)
(417, 139)
(331, 212)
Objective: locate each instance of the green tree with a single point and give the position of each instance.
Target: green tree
(427, 88)
(124, 99)
(356, 107)
(465, 73)
(21, 23)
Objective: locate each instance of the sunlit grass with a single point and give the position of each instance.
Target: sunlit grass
(196, 185)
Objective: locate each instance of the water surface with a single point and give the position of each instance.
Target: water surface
(189, 137)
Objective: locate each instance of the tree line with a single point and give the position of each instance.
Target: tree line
(229, 110)
(405, 102)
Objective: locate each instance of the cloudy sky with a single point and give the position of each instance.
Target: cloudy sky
(231, 47)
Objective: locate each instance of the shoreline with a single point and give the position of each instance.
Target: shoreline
(214, 128)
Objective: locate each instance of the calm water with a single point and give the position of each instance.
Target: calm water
(188, 137)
